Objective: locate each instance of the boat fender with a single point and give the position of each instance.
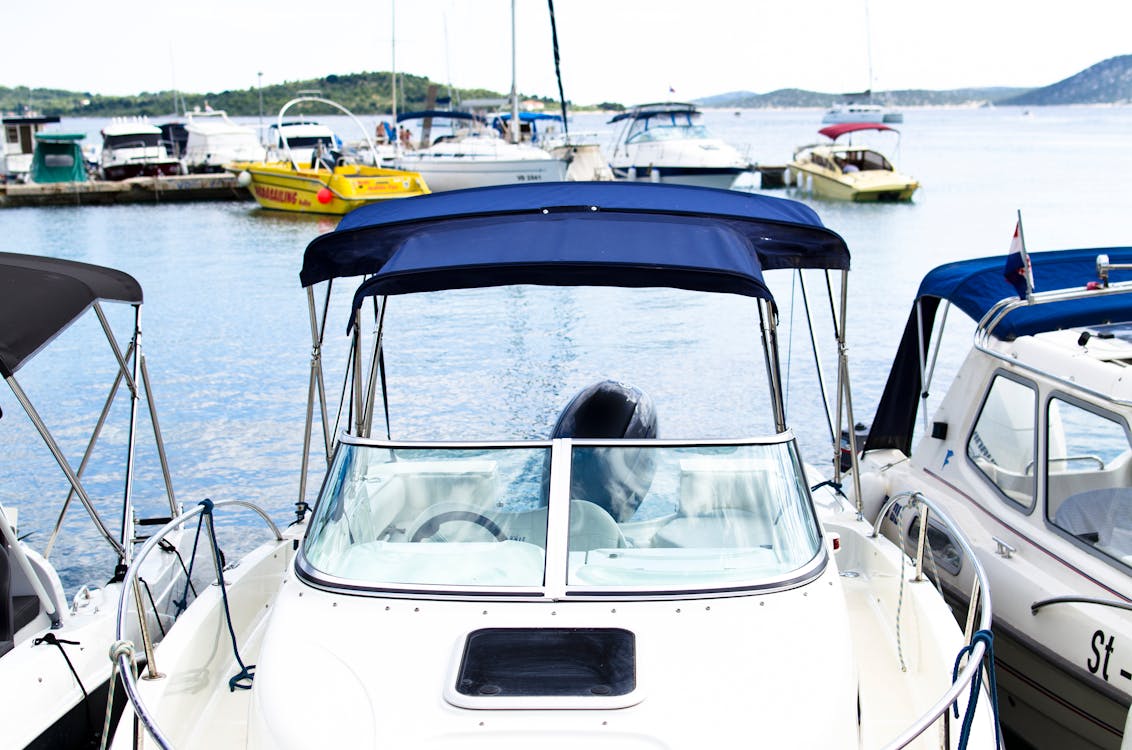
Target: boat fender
(244, 178)
(324, 196)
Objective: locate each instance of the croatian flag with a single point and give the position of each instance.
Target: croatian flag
(1018, 272)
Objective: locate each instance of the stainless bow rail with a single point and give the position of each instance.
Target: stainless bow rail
(980, 602)
(130, 583)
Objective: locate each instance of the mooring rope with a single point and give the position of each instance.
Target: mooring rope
(58, 643)
(119, 648)
(987, 639)
(243, 678)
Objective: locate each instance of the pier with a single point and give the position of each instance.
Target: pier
(170, 189)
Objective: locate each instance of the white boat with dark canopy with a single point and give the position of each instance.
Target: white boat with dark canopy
(54, 676)
(592, 586)
(1030, 452)
(665, 142)
(472, 154)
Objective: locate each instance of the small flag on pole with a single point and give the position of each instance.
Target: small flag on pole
(670, 89)
(1018, 271)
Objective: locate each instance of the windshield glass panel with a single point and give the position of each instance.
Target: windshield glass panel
(698, 516)
(635, 516)
(432, 516)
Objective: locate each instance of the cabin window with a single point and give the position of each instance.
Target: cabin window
(132, 140)
(58, 161)
(1089, 477)
(1002, 443)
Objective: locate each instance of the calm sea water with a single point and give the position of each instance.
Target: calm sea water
(227, 340)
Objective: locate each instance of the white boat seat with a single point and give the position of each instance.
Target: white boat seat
(1102, 517)
(723, 528)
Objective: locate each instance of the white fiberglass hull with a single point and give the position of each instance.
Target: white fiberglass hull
(384, 672)
(456, 173)
(55, 695)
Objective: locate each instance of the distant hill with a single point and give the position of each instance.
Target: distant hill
(789, 98)
(1107, 82)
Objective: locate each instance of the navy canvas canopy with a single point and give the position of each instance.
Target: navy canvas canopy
(40, 297)
(975, 287)
(574, 234)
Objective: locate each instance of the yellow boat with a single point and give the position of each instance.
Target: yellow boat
(840, 171)
(283, 186)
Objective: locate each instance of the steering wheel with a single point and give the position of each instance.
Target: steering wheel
(430, 526)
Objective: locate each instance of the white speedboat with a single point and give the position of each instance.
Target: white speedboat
(54, 674)
(299, 141)
(665, 142)
(214, 140)
(594, 585)
(472, 154)
(846, 171)
(1029, 451)
(134, 147)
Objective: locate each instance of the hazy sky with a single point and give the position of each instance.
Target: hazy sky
(612, 50)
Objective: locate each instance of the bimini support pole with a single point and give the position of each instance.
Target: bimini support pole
(844, 391)
(315, 389)
(52, 446)
(817, 356)
(358, 403)
(128, 489)
(94, 436)
(376, 370)
(769, 328)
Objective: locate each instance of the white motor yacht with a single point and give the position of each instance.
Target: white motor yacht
(134, 147)
(665, 142)
(214, 140)
(54, 674)
(584, 583)
(1029, 451)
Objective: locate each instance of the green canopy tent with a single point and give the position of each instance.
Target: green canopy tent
(58, 158)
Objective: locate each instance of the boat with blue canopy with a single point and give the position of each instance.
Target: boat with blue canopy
(583, 580)
(1029, 451)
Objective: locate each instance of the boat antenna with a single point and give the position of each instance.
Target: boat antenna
(393, 58)
(869, 48)
(516, 127)
(557, 68)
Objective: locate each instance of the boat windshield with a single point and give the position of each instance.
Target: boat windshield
(611, 515)
(132, 140)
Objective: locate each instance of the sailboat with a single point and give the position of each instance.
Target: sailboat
(473, 154)
(860, 107)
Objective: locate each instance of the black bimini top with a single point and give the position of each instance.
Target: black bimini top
(40, 297)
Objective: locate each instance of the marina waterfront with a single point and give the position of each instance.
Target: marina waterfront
(227, 340)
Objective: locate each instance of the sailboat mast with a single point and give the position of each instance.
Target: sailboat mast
(393, 59)
(869, 47)
(516, 127)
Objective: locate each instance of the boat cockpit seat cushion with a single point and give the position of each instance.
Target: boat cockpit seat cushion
(1102, 517)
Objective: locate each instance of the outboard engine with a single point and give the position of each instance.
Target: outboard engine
(617, 479)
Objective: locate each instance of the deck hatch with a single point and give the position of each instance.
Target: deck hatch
(548, 662)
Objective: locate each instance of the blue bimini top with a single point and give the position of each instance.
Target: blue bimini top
(976, 286)
(574, 234)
